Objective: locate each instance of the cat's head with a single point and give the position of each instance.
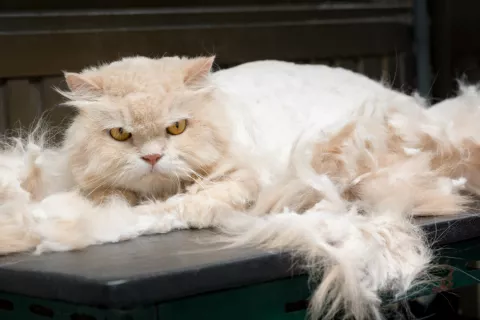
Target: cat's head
(144, 123)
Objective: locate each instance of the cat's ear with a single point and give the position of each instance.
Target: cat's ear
(198, 69)
(85, 83)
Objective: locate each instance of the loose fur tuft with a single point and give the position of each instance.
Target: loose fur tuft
(354, 231)
(350, 256)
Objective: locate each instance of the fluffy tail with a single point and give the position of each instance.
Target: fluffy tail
(355, 233)
(353, 257)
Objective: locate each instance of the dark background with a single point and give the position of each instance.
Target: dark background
(40, 39)
(422, 45)
(410, 44)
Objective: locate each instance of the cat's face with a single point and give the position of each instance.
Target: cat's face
(144, 124)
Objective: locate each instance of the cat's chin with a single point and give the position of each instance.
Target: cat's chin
(147, 170)
(161, 173)
(154, 173)
(151, 184)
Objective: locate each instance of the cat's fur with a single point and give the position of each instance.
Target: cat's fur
(357, 158)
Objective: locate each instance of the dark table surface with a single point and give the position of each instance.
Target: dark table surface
(164, 267)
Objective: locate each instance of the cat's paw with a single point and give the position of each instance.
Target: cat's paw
(150, 208)
(165, 216)
(172, 205)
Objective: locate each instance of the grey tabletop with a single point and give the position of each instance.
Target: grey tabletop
(159, 268)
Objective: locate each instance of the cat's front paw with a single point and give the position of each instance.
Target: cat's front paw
(165, 215)
(152, 208)
(172, 205)
(144, 209)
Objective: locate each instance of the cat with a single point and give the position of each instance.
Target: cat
(188, 148)
(120, 142)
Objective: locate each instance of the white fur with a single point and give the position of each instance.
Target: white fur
(276, 112)
(271, 103)
(353, 255)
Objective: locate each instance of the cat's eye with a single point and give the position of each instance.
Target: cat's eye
(177, 128)
(120, 134)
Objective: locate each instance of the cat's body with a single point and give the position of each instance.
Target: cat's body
(357, 158)
(257, 111)
(272, 103)
(261, 108)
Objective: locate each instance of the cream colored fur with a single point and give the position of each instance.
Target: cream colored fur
(317, 161)
(358, 187)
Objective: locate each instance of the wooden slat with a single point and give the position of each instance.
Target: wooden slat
(3, 108)
(317, 61)
(158, 17)
(55, 52)
(397, 73)
(347, 64)
(442, 45)
(373, 67)
(394, 65)
(56, 114)
(29, 5)
(384, 63)
(50, 97)
(409, 70)
(360, 67)
(24, 103)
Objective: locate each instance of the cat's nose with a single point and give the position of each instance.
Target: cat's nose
(152, 158)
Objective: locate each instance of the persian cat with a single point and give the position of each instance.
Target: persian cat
(314, 160)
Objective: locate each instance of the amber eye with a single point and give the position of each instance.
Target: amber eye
(120, 134)
(177, 128)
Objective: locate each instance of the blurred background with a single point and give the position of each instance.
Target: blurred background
(414, 45)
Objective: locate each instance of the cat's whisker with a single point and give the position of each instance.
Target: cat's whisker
(179, 183)
(115, 180)
(199, 176)
(99, 183)
(204, 189)
(100, 180)
(194, 177)
(198, 182)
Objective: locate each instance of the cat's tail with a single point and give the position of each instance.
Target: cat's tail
(353, 256)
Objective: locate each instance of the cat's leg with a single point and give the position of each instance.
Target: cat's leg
(101, 195)
(211, 203)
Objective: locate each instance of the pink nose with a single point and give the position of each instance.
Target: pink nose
(152, 158)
